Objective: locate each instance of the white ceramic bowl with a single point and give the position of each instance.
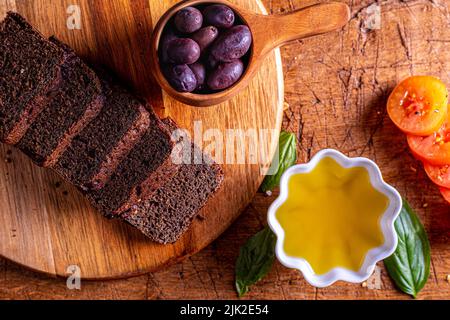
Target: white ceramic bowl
(387, 222)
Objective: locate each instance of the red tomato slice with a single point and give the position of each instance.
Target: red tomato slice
(435, 148)
(440, 175)
(446, 194)
(418, 105)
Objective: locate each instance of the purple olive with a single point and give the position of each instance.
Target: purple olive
(232, 44)
(200, 74)
(188, 20)
(225, 75)
(219, 16)
(205, 37)
(183, 51)
(180, 77)
(166, 38)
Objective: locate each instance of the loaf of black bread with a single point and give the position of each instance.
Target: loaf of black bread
(98, 135)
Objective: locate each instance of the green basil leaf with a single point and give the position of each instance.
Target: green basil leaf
(409, 266)
(287, 158)
(255, 260)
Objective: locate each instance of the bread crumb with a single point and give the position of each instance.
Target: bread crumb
(413, 169)
(425, 205)
(364, 284)
(448, 278)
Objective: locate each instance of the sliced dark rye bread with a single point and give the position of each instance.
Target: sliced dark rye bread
(94, 154)
(147, 167)
(169, 212)
(30, 66)
(74, 103)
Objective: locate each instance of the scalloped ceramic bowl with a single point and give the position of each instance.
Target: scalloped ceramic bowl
(386, 223)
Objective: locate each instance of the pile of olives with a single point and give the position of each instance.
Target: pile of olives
(204, 49)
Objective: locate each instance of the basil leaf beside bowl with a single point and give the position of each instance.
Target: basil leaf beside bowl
(255, 260)
(287, 149)
(409, 266)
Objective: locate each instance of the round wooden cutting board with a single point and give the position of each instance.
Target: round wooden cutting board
(46, 225)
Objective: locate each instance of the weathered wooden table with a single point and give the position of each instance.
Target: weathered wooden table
(336, 91)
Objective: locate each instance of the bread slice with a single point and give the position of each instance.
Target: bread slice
(30, 66)
(147, 167)
(94, 154)
(169, 212)
(73, 104)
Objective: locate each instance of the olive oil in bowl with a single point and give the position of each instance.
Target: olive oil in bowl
(331, 217)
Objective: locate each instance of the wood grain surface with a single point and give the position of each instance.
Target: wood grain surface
(46, 224)
(336, 88)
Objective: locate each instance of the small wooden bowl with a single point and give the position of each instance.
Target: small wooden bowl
(268, 31)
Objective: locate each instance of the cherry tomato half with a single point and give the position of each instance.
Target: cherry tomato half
(435, 148)
(418, 105)
(440, 175)
(446, 194)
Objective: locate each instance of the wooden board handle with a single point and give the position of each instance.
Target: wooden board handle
(310, 21)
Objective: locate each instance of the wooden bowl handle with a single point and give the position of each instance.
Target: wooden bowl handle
(310, 21)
